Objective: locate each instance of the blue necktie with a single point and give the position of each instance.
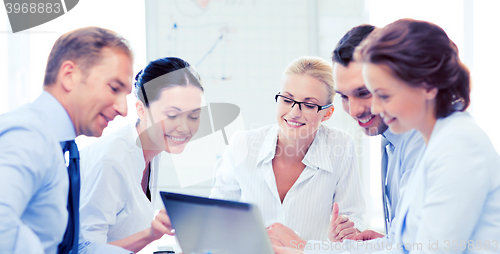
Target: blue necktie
(383, 170)
(70, 239)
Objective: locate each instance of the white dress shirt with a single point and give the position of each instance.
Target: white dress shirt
(245, 173)
(112, 203)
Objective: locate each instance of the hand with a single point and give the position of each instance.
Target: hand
(340, 226)
(161, 225)
(367, 235)
(281, 235)
(285, 250)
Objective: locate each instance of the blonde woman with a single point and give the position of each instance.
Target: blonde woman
(296, 169)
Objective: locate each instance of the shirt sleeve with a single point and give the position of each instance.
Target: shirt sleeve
(21, 158)
(457, 182)
(348, 193)
(104, 195)
(379, 246)
(87, 247)
(323, 247)
(226, 185)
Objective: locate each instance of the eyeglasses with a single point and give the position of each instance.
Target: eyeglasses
(308, 107)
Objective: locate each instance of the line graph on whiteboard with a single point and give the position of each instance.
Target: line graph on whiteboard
(211, 53)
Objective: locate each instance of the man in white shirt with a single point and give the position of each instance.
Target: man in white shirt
(400, 150)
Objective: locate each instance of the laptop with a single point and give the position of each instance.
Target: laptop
(204, 225)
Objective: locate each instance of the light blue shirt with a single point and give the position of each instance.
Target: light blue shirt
(34, 182)
(402, 151)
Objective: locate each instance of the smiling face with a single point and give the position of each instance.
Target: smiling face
(356, 99)
(401, 106)
(293, 122)
(176, 118)
(100, 94)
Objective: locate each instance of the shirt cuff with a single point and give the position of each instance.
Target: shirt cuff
(100, 248)
(325, 247)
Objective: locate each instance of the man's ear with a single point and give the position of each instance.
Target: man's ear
(328, 114)
(69, 75)
(141, 111)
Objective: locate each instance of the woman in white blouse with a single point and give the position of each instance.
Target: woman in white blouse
(296, 169)
(452, 200)
(120, 170)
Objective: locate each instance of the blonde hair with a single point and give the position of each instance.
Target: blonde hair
(315, 67)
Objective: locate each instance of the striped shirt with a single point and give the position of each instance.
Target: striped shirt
(245, 173)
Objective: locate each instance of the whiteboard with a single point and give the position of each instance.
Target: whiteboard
(240, 48)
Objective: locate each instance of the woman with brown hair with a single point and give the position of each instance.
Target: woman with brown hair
(418, 82)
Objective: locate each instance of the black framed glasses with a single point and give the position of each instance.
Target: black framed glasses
(308, 107)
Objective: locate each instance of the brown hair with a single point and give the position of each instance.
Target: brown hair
(421, 54)
(84, 47)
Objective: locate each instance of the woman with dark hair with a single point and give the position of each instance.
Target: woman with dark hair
(451, 202)
(119, 170)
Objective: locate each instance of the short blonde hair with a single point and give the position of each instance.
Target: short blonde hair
(315, 67)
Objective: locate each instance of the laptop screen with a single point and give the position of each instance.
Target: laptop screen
(204, 225)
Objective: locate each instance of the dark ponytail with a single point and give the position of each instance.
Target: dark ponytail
(161, 74)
